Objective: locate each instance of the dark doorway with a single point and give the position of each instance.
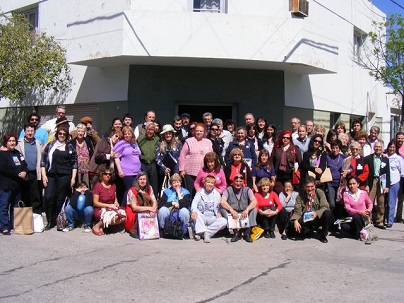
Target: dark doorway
(223, 112)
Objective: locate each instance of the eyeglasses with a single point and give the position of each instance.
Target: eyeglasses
(107, 174)
(214, 129)
(318, 141)
(34, 119)
(238, 178)
(61, 113)
(61, 134)
(286, 138)
(238, 155)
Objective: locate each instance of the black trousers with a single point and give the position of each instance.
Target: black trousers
(267, 223)
(151, 170)
(31, 192)
(283, 220)
(55, 194)
(324, 222)
(353, 228)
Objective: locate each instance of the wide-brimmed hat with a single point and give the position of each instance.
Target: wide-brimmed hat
(61, 120)
(167, 128)
(86, 120)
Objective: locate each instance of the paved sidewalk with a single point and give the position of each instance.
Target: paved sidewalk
(78, 267)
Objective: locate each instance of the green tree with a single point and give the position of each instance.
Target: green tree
(31, 62)
(384, 55)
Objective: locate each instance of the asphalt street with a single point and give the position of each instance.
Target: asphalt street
(78, 267)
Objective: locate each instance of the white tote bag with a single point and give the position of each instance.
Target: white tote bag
(38, 223)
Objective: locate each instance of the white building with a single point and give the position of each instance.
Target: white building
(228, 57)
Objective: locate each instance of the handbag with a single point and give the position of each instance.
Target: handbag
(23, 219)
(173, 226)
(165, 185)
(326, 176)
(256, 232)
(61, 219)
(296, 177)
(38, 223)
(148, 227)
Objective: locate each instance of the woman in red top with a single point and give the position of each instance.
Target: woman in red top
(238, 166)
(106, 206)
(355, 165)
(268, 206)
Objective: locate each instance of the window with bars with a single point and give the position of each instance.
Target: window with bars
(210, 6)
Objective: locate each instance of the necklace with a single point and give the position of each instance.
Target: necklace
(335, 162)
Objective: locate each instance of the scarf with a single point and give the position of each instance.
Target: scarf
(283, 164)
(56, 146)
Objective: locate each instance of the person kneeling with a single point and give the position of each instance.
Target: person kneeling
(240, 202)
(311, 210)
(80, 208)
(205, 211)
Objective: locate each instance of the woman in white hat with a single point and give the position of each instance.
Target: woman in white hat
(168, 151)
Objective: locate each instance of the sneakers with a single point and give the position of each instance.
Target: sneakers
(206, 240)
(68, 228)
(87, 229)
(197, 237)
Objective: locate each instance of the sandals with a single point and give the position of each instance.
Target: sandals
(100, 232)
(6, 232)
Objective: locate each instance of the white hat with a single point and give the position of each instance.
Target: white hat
(167, 128)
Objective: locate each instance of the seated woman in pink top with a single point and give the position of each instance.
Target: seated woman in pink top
(268, 207)
(211, 167)
(358, 206)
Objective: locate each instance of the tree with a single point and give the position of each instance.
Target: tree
(384, 55)
(31, 62)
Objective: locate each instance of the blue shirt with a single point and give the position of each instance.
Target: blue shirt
(40, 134)
(31, 155)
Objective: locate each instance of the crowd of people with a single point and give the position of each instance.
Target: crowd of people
(300, 180)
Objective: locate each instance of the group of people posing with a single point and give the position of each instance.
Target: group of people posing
(299, 179)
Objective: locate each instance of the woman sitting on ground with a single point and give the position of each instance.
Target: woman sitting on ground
(106, 207)
(140, 199)
(176, 197)
(205, 211)
(268, 207)
(358, 206)
(288, 199)
(211, 167)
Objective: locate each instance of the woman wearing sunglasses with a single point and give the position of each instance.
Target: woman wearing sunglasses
(315, 159)
(106, 207)
(59, 170)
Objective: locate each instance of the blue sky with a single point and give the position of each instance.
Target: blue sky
(389, 7)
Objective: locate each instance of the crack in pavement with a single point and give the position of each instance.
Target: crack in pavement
(51, 260)
(74, 277)
(249, 281)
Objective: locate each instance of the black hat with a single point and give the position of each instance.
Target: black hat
(61, 120)
(185, 115)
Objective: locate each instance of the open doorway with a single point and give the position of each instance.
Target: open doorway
(223, 112)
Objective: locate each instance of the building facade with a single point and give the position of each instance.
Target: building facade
(276, 59)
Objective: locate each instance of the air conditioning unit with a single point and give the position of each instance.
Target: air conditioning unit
(299, 8)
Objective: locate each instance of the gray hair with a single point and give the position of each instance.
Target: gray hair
(217, 121)
(375, 129)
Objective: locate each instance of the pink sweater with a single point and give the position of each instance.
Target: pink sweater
(192, 154)
(220, 183)
(354, 207)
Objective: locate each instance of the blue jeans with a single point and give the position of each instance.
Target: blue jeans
(8, 199)
(164, 212)
(393, 194)
(73, 215)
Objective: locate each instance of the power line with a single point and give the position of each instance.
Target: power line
(398, 4)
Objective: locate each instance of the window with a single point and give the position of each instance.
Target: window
(358, 41)
(210, 6)
(32, 17)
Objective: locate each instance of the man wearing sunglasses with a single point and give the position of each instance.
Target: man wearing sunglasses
(239, 202)
(40, 134)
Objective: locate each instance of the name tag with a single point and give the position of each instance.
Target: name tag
(16, 161)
